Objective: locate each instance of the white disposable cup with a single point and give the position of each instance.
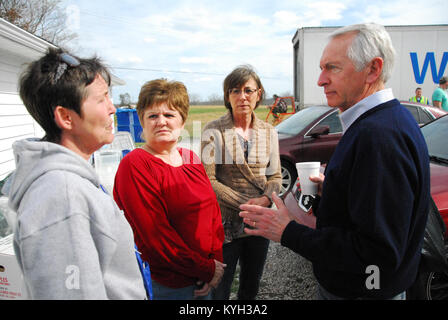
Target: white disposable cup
(305, 170)
(106, 166)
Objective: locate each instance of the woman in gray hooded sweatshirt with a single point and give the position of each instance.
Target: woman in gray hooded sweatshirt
(71, 240)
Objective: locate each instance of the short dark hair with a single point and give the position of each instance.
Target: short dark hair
(44, 85)
(237, 78)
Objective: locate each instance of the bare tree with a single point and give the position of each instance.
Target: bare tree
(215, 99)
(43, 18)
(286, 94)
(195, 98)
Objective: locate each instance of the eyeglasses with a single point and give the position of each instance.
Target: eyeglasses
(66, 61)
(247, 92)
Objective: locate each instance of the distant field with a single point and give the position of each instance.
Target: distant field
(200, 115)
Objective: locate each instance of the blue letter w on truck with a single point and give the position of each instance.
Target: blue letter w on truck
(429, 60)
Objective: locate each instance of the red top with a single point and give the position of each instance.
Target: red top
(174, 214)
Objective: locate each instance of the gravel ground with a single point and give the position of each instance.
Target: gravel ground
(286, 276)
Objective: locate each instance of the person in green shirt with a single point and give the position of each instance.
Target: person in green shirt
(440, 97)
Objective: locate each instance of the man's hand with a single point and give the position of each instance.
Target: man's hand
(320, 181)
(268, 223)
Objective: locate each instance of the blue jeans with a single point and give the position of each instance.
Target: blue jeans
(251, 252)
(323, 294)
(161, 292)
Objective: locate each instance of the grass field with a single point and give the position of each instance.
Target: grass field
(200, 115)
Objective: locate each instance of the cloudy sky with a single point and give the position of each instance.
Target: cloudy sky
(199, 42)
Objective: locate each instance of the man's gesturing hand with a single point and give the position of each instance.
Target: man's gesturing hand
(268, 223)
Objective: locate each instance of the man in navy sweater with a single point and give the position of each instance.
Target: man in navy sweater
(374, 196)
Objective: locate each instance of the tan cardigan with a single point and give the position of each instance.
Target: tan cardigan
(234, 179)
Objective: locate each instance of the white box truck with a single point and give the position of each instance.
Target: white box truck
(422, 57)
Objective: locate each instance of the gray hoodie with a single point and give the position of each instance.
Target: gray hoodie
(71, 240)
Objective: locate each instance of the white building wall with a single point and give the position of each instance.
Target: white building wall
(17, 48)
(15, 124)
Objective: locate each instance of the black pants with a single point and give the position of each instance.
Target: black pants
(251, 253)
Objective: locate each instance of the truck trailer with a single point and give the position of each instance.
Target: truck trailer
(421, 60)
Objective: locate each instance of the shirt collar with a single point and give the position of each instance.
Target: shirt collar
(349, 116)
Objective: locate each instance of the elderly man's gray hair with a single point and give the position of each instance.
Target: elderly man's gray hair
(372, 40)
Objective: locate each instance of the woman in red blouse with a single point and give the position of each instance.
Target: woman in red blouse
(169, 201)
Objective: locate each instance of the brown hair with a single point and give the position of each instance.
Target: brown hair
(158, 91)
(237, 78)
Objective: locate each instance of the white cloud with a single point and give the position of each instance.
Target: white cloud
(326, 10)
(286, 20)
(149, 40)
(197, 60)
(135, 59)
(400, 12)
(123, 58)
(203, 79)
(310, 14)
(214, 37)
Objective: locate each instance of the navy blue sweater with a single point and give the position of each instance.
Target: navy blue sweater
(373, 208)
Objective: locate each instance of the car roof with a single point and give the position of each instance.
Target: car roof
(435, 111)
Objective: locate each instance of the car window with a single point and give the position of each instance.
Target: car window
(300, 120)
(333, 122)
(424, 116)
(435, 134)
(414, 112)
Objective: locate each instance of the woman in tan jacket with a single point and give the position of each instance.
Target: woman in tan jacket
(241, 157)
